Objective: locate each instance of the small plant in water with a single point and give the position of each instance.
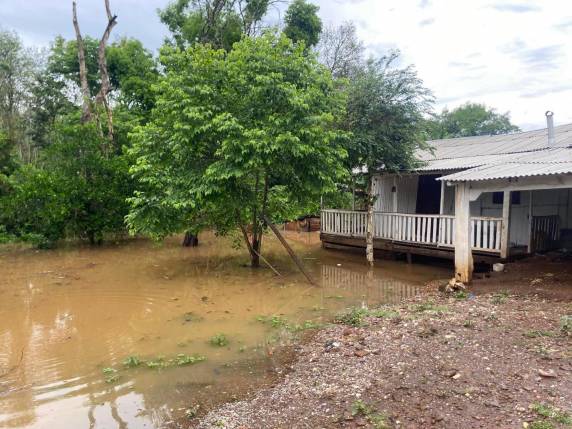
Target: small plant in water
(111, 375)
(183, 359)
(132, 362)
(219, 340)
(158, 363)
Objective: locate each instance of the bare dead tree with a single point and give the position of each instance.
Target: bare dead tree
(340, 50)
(85, 94)
(102, 96)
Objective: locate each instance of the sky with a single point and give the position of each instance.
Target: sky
(515, 56)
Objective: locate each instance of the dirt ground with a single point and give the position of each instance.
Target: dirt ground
(497, 356)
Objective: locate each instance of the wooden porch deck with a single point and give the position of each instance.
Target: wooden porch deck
(430, 235)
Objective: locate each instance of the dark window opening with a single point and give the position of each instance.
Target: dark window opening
(498, 197)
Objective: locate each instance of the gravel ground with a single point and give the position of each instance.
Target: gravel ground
(490, 361)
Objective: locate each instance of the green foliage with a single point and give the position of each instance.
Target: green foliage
(500, 298)
(220, 23)
(461, 295)
(354, 317)
(552, 413)
(219, 340)
(132, 362)
(385, 115)
(233, 134)
(429, 307)
(538, 334)
(376, 419)
(470, 119)
(79, 191)
(184, 360)
(302, 23)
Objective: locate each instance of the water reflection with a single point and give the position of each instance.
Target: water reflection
(66, 315)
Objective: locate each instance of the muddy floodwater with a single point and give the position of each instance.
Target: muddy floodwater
(114, 337)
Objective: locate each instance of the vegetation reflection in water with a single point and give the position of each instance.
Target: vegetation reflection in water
(137, 334)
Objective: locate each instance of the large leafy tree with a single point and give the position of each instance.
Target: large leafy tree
(236, 137)
(385, 112)
(470, 119)
(303, 23)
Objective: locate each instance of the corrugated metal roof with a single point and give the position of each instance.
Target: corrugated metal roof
(465, 147)
(502, 156)
(509, 170)
(547, 155)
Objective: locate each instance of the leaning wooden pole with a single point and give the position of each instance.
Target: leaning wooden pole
(288, 248)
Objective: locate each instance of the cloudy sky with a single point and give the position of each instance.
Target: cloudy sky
(512, 55)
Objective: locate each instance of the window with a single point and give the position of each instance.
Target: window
(499, 196)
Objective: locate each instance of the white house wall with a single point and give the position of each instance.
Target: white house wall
(544, 203)
(406, 189)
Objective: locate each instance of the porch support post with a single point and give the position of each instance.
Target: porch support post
(530, 202)
(463, 253)
(442, 202)
(505, 232)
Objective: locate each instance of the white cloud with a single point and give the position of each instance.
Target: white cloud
(514, 56)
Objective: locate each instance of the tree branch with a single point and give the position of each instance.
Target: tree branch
(86, 96)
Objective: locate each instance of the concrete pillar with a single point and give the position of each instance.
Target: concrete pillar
(463, 253)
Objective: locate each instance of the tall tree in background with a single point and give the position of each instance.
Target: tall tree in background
(385, 115)
(470, 119)
(302, 23)
(16, 76)
(340, 50)
(220, 23)
(236, 138)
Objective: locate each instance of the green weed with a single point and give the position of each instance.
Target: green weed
(384, 313)
(552, 413)
(461, 295)
(183, 359)
(354, 317)
(219, 340)
(429, 307)
(376, 419)
(500, 298)
(132, 362)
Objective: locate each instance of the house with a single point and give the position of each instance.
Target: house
(486, 198)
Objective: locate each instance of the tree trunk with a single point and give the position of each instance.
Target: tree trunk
(86, 96)
(190, 240)
(101, 98)
(369, 231)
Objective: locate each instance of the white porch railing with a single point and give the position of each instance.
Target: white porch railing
(436, 230)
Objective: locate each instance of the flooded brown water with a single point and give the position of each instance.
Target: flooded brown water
(70, 317)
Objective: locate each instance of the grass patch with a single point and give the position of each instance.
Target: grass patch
(552, 413)
(384, 313)
(500, 298)
(353, 317)
(132, 362)
(429, 307)
(219, 340)
(375, 418)
(183, 359)
(541, 424)
(275, 321)
(461, 295)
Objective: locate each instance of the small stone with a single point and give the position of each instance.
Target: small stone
(548, 374)
(456, 376)
(361, 353)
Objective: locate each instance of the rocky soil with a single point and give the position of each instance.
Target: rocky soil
(487, 361)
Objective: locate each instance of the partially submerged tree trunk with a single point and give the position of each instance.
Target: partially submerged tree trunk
(86, 96)
(190, 240)
(369, 230)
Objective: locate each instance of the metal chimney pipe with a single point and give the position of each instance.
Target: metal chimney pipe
(550, 127)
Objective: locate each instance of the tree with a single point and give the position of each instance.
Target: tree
(218, 22)
(385, 115)
(470, 119)
(340, 50)
(302, 23)
(235, 137)
(75, 191)
(16, 74)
